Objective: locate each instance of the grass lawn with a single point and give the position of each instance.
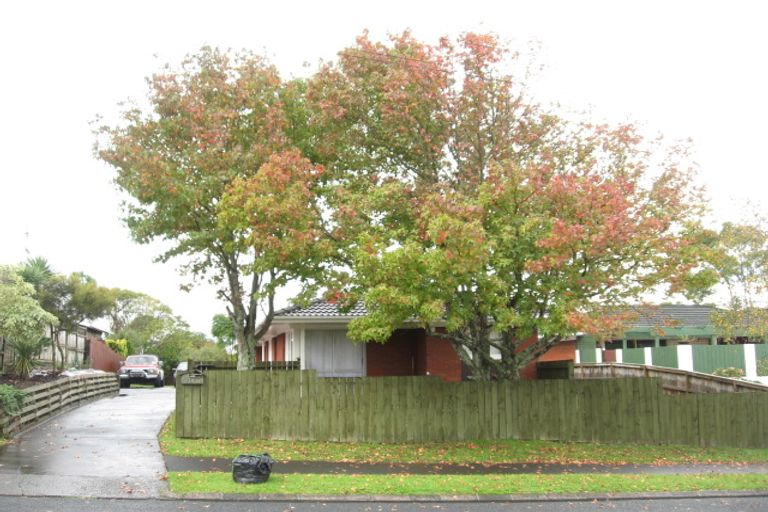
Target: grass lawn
(476, 452)
(185, 483)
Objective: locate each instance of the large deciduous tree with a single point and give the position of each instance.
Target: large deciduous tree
(223, 131)
(473, 211)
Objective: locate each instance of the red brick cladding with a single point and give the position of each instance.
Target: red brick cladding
(442, 359)
(397, 357)
(412, 352)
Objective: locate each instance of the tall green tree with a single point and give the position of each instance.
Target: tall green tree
(214, 127)
(463, 205)
(740, 258)
(223, 333)
(129, 305)
(74, 299)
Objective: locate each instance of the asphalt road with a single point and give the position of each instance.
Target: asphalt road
(105, 448)
(30, 504)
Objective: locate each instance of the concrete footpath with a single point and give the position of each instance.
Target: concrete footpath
(107, 448)
(383, 468)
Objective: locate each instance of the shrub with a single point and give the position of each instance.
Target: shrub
(732, 372)
(762, 366)
(11, 400)
(26, 352)
(118, 346)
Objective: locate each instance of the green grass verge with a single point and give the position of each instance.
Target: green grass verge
(477, 452)
(186, 483)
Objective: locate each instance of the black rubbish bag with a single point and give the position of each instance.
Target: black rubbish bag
(252, 469)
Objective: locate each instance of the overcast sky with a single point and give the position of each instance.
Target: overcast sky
(686, 69)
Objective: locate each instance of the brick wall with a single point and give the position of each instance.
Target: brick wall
(442, 360)
(412, 352)
(397, 357)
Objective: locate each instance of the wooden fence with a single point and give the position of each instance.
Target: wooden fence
(699, 358)
(672, 380)
(300, 406)
(44, 400)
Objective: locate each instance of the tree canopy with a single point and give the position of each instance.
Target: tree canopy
(739, 256)
(221, 128)
(471, 210)
(21, 316)
(420, 179)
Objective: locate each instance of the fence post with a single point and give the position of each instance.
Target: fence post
(750, 361)
(648, 355)
(685, 357)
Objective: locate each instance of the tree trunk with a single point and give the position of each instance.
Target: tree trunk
(61, 350)
(53, 347)
(245, 350)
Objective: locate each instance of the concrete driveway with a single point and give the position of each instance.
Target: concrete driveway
(107, 448)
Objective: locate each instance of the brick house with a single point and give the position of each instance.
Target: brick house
(316, 335)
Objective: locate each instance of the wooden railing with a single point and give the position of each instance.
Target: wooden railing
(673, 380)
(203, 366)
(278, 365)
(44, 400)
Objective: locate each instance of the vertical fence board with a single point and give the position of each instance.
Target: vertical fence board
(298, 405)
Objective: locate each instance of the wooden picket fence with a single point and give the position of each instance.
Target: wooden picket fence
(44, 400)
(299, 406)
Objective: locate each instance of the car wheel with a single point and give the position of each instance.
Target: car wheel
(159, 382)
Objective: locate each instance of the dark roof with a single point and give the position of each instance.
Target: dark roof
(666, 315)
(673, 315)
(320, 308)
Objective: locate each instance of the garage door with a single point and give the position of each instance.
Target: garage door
(332, 354)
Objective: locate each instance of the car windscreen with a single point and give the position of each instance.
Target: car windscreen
(141, 360)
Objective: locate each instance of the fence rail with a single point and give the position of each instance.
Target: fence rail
(46, 399)
(204, 366)
(299, 406)
(672, 379)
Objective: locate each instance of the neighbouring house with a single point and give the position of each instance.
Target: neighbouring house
(676, 336)
(665, 325)
(83, 347)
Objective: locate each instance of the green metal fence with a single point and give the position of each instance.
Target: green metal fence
(708, 358)
(634, 355)
(299, 406)
(761, 353)
(664, 356)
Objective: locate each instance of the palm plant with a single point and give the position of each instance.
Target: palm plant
(26, 353)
